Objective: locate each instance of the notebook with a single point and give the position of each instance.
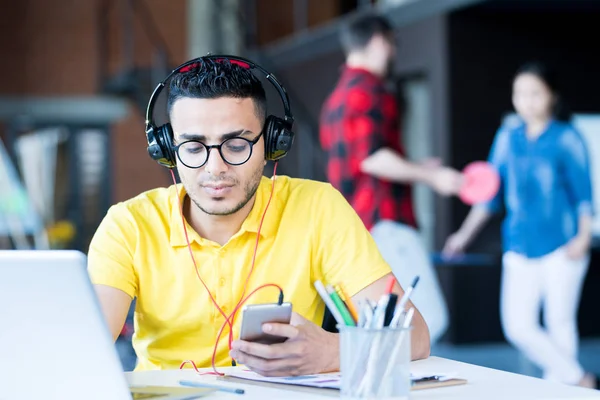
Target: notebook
(327, 384)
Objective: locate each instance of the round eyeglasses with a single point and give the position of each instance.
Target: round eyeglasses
(234, 151)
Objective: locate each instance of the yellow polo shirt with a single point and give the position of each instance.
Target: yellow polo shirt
(310, 232)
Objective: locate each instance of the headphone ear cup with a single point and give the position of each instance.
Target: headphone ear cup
(160, 145)
(166, 138)
(268, 134)
(278, 138)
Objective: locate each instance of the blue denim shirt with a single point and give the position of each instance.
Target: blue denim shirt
(545, 186)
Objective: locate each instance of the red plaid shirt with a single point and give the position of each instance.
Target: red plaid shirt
(357, 119)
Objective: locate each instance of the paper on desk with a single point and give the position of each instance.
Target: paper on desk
(325, 381)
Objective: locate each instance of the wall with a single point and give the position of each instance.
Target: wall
(50, 48)
(275, 18)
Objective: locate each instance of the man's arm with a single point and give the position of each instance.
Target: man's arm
(388, 164)
(115, 305)
(345, 253)
(310, 349)
(110, 267)
(376, 157)
(420, 341)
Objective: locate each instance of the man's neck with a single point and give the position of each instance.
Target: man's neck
(360, 61)
(216, 228)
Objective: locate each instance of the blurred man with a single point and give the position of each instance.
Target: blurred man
(359, 130)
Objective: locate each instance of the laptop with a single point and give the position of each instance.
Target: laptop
(54, 343)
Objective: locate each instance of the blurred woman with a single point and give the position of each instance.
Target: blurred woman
(546, 190)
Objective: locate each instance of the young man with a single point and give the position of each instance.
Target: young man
(217, 113)
(360, 132)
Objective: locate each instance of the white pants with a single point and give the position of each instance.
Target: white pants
(553, 281)
(402, 248)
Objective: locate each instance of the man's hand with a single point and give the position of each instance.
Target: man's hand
(388, 164)
(445, 181)
(308, 350)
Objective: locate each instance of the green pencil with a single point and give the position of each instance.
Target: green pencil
(348, 320)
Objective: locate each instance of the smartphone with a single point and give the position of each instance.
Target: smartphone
(255, 315)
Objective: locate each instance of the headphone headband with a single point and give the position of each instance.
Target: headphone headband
(245, 63)
(278, 133)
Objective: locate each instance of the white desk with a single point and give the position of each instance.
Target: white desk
(484, 383)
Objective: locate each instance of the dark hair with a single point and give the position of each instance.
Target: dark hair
(358, 31)
(560, 111)
(212, 79)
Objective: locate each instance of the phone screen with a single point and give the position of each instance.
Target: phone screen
(255, 316)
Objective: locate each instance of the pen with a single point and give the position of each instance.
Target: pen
(391, 306)
(379, 312)
(404, 299)
(348, 320)
(348, 301)
(402, 303)
(366, 314)
(427, 378)
(210, 386)
(329, 302)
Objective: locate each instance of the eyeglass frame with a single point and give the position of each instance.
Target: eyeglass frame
(218, 147)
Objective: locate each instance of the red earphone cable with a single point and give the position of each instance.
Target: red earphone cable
(187, 239)
(214, 355)
(235, 310)
(229, 319)
(233, 313)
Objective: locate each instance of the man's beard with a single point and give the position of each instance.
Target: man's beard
(249, 190)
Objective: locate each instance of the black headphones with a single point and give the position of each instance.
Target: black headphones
(277, 132)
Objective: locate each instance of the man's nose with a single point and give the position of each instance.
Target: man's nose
(215, 164)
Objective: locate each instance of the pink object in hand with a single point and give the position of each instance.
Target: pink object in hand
(481, 183)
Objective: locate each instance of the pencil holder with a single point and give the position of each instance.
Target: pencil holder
(374, 363)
